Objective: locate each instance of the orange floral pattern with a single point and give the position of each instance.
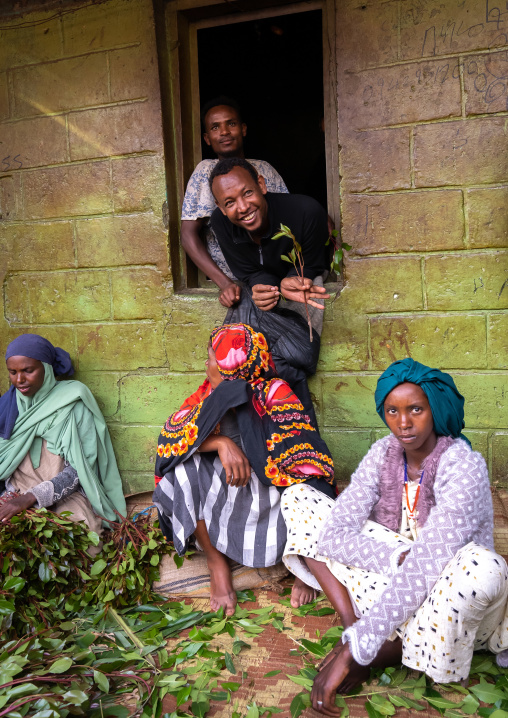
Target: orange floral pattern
(270, 404)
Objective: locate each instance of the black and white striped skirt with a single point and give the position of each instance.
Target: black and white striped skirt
(244, 523)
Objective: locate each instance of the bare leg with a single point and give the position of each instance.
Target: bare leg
(339, 671)
(339, 598)
(222, 592)
(335, 592)
(301, 593)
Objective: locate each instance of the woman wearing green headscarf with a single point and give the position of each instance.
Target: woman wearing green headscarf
(406, 553)
(55, 449)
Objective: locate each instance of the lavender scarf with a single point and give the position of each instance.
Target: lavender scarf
(388, 510)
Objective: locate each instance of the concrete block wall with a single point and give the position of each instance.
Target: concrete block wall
(83, 250)
(422, 97)
(423, 129)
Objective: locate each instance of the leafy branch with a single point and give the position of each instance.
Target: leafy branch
(338, 250)
(295, 257)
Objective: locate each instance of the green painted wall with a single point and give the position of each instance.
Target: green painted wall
(423, 125)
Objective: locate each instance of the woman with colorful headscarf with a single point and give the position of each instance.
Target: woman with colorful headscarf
(227, 454)
(55, 449)
(406, 553)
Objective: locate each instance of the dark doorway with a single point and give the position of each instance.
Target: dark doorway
(273, 67)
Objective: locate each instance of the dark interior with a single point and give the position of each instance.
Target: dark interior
(273, 67)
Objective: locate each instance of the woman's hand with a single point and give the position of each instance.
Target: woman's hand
(16, 506)
(235, 463)
(329, 679)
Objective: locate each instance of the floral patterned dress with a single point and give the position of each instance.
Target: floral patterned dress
(270, 426)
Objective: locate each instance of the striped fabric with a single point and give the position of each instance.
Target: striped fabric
(244, 523)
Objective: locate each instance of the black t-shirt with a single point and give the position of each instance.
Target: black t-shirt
(262, 264)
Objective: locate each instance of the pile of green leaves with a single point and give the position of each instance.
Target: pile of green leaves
(108, 663)
(85, 636)
(48, 576)
(394, 688)
(43, 561)
(123, 573)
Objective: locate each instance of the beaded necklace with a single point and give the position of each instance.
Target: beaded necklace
(411, 511)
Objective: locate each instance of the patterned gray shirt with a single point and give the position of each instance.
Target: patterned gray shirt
(51, 492)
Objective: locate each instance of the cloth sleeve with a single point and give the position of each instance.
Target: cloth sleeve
(273, 180)
(62, 485)
(260, 277)
(198, 201)
(341, 538)
(463, 502)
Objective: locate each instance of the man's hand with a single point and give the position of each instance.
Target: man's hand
(16, 506)
(230, 294)
(264, 296)
(234, 461)
(298, 290)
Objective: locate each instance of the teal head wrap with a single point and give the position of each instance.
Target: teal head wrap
(446, 403)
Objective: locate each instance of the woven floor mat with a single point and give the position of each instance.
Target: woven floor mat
(270, 651)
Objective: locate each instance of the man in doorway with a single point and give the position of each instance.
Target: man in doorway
(224, 132)
(247, 217)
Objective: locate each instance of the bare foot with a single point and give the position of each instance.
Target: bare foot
(222, 593)
(301, 593)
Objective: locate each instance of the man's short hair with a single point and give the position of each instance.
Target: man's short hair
(216, 102)
(224, 167)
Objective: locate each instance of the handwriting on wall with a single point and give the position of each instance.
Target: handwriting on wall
(428, 75)
(487, 75)
(10, 162)
(485, 79)
(441, 38)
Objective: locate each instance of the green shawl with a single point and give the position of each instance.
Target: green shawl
(68, 417)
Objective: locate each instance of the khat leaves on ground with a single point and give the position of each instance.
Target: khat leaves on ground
(117, 663)
(83, 636)
(398, 687)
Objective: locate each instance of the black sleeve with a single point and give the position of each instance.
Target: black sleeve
(242, 259)
(313, 235)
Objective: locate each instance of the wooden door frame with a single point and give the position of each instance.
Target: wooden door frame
(181, 103)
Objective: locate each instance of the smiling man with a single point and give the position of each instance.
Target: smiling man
(247, 217)
(224, 132)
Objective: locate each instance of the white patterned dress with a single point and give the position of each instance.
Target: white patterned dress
(446, 600)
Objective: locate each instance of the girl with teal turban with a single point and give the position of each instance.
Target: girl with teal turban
(406, 552)
(446, 403)
(55, 449)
